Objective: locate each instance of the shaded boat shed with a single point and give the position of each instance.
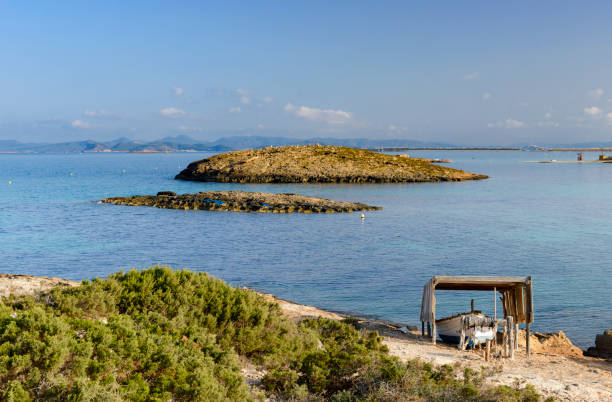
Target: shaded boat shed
(516, 292)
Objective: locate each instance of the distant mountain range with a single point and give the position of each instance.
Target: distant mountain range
(184, 143)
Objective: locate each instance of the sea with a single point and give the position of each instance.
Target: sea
(551, 221)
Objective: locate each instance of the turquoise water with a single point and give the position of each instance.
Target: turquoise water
(550, 221)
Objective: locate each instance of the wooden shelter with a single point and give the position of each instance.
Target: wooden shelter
(516, 291)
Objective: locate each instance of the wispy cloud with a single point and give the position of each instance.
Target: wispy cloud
(260, 126)
(548, 115)
(596, 93)
(508, 123)
(547, 123)
(172, 112)
(593, 111)
(100, 114)
(243, 96)
(609, 118)
(235, 110)
(486, 96)
(177, 91)
(328, 116)
(79, 124)
(189, 129)
(472, 76)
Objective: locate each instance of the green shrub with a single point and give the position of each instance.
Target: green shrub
(160, 334)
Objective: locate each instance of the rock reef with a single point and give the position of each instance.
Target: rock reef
(318, 164)
(241, 201)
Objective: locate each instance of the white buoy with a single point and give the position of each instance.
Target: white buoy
(362, 216)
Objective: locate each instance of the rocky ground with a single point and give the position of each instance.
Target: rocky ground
(318, 164)
(241, 201)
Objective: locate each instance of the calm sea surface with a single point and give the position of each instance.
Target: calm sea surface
(550, 221)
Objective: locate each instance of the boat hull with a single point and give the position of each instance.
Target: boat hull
(449, 330)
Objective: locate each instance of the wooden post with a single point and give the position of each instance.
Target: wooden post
(527, 338)
(472, 305)
(428, 328)
(422, 328)
(516, 335)
(510, 337)
(433, 333)
(495, 303)
(462, 336)
(504, 340)
(488, 350)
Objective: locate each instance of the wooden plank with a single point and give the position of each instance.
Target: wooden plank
(488, 350)
(462, 336)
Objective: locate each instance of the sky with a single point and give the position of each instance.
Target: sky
(467, 73)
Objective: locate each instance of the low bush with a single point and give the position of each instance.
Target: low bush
(161, 334)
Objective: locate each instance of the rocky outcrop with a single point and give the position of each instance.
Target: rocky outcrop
(29, 285)
(318, 164)
(242, 201)
(556, 343)
(603, 346)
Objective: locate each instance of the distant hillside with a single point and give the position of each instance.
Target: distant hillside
(184, 143)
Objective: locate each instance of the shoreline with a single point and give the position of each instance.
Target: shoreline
(556, 368)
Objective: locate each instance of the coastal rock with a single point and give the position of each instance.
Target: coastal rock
(242, 201)
(14, 284)
(603, 346)
(556, 343)
(318, 164)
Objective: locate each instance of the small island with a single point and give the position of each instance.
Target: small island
(318, 164)
(241, 201)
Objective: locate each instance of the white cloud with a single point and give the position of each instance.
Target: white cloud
(596, 93)
(486, 96)
(547, 124)
(471, 76)
(547, 115)
(328, 116)
(172, 112)
(235, 110)
(523, 104)
(177, 91)
(260, 126)
(593, 111)
(80, 124)
(491, 125)
(609, 117)
(266, 99)
(245, 100)
(189, 129)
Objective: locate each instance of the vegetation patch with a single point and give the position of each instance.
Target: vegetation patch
(161, 334)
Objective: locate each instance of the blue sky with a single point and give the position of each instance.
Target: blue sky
(462, 72)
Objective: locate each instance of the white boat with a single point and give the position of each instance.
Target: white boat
(449, 329)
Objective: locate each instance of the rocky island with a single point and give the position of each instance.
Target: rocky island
(241, 201)
(318, 164)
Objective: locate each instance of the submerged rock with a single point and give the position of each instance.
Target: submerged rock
(318, 164)
(242, 201)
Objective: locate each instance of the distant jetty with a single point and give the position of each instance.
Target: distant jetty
(318, 164)
(241, 201)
